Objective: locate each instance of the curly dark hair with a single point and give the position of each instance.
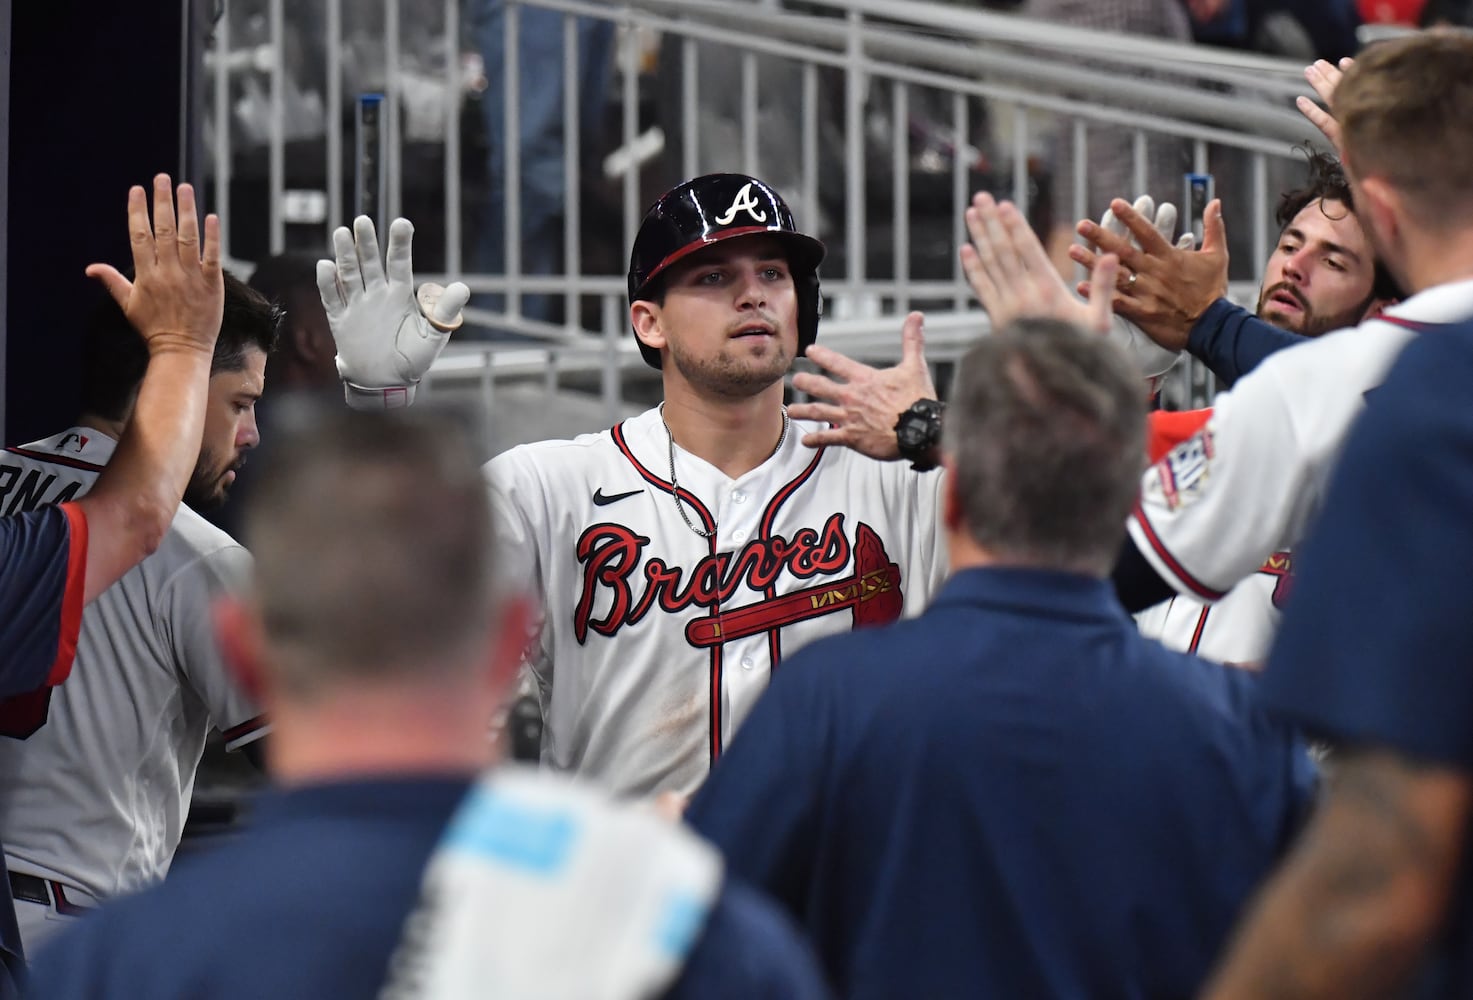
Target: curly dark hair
(1327, 182)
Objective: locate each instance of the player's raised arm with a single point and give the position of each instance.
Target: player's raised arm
(175, 301)
(387, 336)
(1012, 277)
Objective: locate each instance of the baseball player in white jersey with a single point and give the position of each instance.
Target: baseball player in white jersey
(1321, 275)
(96, 775)
(1217, 506)
(1220, 505)
(683, 553)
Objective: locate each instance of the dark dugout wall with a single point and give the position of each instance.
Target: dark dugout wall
(101, 96)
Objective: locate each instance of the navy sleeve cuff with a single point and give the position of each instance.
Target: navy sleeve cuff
(1231, 341)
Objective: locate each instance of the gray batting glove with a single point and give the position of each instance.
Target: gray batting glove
(1151, 360)
(1163, 218)
(386, 336)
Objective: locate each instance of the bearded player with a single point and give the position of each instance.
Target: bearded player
(97, 775)
(1321, 276)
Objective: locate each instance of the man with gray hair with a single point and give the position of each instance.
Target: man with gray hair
(381, 642)
(1014, 794)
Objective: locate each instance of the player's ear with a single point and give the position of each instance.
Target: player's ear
(238, 633)
(305, 342)
(953, 510)
(1376, 306)
(1384, 205)
(648, 323)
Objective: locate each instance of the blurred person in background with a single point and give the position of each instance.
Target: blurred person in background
(539, 134)
(1110, 149)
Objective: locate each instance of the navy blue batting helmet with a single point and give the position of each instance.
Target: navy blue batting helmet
(719, 207)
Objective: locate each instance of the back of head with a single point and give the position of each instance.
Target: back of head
(286, 276)
(115, 356)
(1045, 430)
(1405, 110)
(305, 357)
(372, 537)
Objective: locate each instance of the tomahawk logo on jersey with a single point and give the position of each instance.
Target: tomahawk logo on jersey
(656, 641)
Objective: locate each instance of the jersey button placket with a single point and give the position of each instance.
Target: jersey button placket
(736, 518)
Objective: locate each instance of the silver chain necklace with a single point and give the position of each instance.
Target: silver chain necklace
(675, 485)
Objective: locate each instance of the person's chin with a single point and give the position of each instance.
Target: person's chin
(201, 501)
(1290, 321)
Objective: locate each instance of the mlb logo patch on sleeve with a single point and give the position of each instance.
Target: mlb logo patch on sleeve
(1183, 473)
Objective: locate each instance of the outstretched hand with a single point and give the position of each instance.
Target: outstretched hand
(1324, 78)
(861, 404)
(177, 295)
(1012, 276)
(1172, 286)
(386, 336)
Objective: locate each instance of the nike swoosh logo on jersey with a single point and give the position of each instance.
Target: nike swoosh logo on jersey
(600, 499)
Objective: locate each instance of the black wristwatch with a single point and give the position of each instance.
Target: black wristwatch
(918, 432)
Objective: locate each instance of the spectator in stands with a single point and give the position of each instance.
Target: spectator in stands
(1296, 29)
(540, 134)
(1110, 149)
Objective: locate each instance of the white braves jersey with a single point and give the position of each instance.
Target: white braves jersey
(1240, 628)
(96, 797)
(1246, 486)
(655, 642)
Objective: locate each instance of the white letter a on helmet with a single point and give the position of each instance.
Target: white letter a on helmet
(743, 202)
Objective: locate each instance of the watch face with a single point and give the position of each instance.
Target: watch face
(912, 432)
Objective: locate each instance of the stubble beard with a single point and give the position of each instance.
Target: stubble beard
(1310, 323)
(206, 489)
(732, 376)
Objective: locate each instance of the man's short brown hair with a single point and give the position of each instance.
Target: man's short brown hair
(1046, 431)
(373, 542)
(1406, 115)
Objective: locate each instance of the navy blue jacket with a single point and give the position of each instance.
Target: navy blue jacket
(1011, 795)
(311, 900)
(44, 555)
(1377, 648)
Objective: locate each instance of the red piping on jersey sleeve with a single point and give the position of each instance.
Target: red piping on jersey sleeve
(71, 599)
(1190, 582)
